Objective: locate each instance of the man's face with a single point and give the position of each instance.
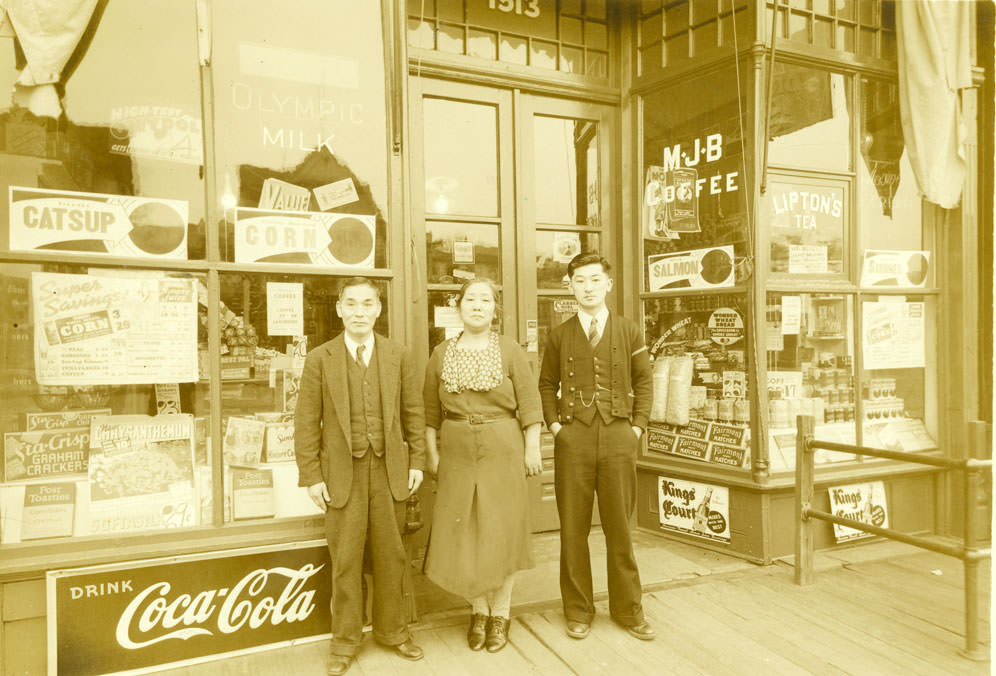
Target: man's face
(359, 308)
(590, 284)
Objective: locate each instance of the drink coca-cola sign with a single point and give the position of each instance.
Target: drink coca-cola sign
(131, 616)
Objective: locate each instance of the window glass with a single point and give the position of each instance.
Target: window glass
(113, 166)
(551, 312)
(810, 118)
(104, 415)
(555, 249)
(700, 350)
(810, 364)
(461, 157)
(300, 126)
(693, 186)
(899, 358)
(461, 251)
(565, 161)
(889, 204)
(269, 322)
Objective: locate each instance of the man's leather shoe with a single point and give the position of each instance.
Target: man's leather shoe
(409, 650)
(339, 664)
(476, 635)
(497, 634)
(643, 631)
(578, 629)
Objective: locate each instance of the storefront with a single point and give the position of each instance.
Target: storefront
(173, 243)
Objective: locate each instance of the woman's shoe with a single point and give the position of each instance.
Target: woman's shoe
(497, 633)
(476, 634)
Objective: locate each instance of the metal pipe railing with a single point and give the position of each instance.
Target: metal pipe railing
(968, 551)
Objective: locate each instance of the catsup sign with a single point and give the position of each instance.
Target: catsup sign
(135, 617)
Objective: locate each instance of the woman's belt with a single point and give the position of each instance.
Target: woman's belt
(476, 418)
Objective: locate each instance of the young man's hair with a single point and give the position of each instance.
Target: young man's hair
(350, 282)
(587, 258)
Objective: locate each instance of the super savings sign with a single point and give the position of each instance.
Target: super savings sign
(83, 222)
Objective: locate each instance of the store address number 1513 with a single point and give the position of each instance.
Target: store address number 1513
(528, 8)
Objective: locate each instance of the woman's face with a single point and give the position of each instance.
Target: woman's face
(477, 308)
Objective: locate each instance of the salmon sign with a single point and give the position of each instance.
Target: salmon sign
(136, 616)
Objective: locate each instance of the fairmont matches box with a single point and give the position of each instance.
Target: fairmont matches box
(135, 616)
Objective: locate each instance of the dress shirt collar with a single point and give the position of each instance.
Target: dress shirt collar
(602, 316)
(351, 346)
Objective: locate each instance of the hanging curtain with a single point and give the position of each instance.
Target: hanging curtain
(934, 64)
(47, 32)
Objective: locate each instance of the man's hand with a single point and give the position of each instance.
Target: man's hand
(319, 494)
(554, 428)
(637, 431)
(414, 480)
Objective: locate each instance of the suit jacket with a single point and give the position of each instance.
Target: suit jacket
(322, 443)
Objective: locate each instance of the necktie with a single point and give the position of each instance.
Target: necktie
(593, 332)
(359, 356)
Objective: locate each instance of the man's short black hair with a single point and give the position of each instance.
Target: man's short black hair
(350, 282)
(587, 258)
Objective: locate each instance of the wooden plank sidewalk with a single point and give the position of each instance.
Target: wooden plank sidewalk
(900, 615)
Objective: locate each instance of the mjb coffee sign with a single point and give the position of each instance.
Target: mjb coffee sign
(129, 617)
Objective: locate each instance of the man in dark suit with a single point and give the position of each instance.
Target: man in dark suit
(360, 400)
(597, 387)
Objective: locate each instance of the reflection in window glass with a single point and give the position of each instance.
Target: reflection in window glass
(565, 160)
(810, 347)
(554, 250)
(137, 132)
(899, 390)
(300, 121)
(810, 118)
(890, 206)
(456, 252)
(118, 350)
(692, 130)
(806, 221)
(461, 158)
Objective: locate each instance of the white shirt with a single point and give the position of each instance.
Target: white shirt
(351, 346)
(602, 317)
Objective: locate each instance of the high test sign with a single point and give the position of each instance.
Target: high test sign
(134, 616)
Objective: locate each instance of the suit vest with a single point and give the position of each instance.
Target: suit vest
(593, 373)
(366, 419)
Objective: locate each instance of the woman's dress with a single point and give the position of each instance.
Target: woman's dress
(480, 522)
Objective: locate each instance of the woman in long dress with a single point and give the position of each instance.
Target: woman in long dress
(483, 417)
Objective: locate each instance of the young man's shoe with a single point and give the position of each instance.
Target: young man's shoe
(643, 631)
(339, 664)
(409, 650)
(578, 629)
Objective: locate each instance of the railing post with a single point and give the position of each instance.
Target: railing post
(803, 500)
(977, 445)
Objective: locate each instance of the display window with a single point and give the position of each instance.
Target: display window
(101, 155)
(700, 356)
(301, 135)
(694, 209)
(807, 220)
(104, 415)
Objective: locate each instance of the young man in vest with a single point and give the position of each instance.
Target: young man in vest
(597, 387)
(360, 398)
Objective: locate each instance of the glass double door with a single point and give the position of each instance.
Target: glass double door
(509, 187)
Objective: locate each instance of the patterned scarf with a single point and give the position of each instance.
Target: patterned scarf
(477, 370)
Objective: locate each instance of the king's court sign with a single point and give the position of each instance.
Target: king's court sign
(136, 617)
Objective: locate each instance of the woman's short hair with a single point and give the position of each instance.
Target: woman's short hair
(480, 280)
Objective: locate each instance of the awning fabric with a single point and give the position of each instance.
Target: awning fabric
(934, 64)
